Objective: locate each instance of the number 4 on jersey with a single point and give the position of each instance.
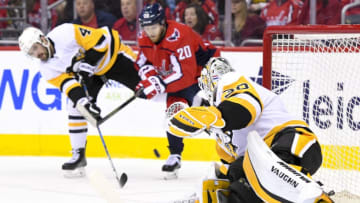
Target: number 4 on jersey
(84, 31)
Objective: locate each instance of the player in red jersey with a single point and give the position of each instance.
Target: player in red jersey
(282, 12)
(170, 60)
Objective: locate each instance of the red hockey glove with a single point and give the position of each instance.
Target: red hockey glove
(146, 71)
(151, 87)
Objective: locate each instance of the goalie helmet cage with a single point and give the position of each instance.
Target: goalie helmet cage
(316, 71)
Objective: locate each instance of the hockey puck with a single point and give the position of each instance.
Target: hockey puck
(157, 154)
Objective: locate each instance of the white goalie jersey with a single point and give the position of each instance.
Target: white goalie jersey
(265, 107)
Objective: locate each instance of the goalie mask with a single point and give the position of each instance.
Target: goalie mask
(215, 68)
(29, 37)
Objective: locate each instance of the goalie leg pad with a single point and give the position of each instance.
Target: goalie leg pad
(298, 146)
(272, 179)
(222, 195)
(312, 159)
(211, 187)
(241, 192)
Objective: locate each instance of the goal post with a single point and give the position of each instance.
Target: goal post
(316, 71)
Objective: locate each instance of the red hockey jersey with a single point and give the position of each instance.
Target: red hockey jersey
(285, 14)
(178, 57)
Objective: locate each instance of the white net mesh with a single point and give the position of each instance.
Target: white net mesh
(318, 77)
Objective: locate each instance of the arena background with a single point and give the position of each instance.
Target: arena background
(33, 115)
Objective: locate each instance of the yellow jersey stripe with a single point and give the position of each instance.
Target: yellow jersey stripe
(77, 124)
(57, 81)
(127, 51)
(71, 87)
(270, 136)
(303, 141)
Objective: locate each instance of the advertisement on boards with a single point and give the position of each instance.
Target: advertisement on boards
(27, 100)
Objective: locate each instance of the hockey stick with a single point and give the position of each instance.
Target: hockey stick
(123, 178)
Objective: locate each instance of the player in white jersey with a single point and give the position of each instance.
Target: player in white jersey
(238, 107)
(73, 57)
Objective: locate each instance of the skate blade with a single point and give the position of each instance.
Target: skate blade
(76, 173)
(171, 175)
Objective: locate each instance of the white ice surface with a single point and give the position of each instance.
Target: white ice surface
(40, 180)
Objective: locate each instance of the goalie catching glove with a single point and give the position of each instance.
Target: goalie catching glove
(89, 110)
(194, 120)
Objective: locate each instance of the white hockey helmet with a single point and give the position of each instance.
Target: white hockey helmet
(214, 69)
(29, 37)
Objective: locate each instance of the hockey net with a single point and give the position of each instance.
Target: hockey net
(316, 71)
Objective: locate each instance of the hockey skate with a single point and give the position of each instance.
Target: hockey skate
(171, 167)
(75, 166)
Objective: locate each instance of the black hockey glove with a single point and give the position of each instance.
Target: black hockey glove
(89, 110)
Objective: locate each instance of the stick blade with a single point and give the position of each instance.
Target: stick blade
(123, 179)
